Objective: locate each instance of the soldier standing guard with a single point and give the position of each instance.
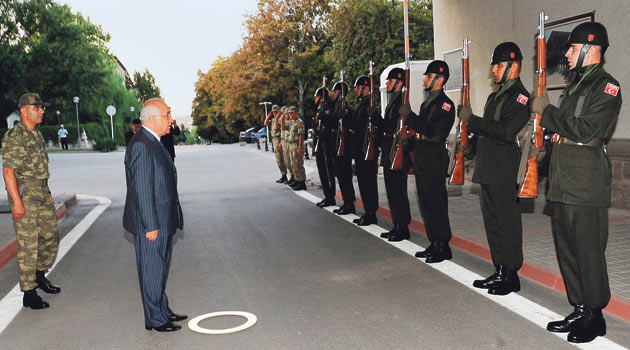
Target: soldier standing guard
(284, 144)
(366, 169)
(432, 126)
(505, 114)
(296, 142)
(580, 179)
(343, 153)
(25, 170)
(272, 119)
(395, 180)
(325, 146)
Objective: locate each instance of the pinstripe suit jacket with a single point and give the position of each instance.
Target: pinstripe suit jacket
(152, 202)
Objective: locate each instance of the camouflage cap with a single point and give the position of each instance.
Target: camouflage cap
(31, 99)
(292, 109)
(283, 109)
(275, 108)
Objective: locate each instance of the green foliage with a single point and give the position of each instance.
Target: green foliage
(105, 145)
(49, 132)
(145, 85)
(2, 132)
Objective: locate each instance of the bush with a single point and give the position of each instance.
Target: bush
(105, 145)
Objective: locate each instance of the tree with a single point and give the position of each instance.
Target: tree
(145, 85)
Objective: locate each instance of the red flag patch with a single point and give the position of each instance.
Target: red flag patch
(556, 138)
(446, 107)
(522, 99)
(611, 89)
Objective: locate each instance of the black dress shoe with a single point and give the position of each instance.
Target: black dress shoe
(390, 232)
(176, 318)
(44, 284)
(401, 233)
(489, 281)
(367, 219)
(506, 284)
(282, 180)
(589, 327)
(34, 301)
(426, 252)
(167, 327)
(356, 221)
(567, 325)
(346, 209)
(441, 252)
(327, 202)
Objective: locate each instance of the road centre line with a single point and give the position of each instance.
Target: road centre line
(11, 304)
(518, 304)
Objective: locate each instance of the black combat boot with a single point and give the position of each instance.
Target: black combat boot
(401, 234)
(327, 202)
(567, 325)
(44, 284)
(282, 180)
(390, 232)
(368, 219)
(291, 181)
(441, 252)
(488, 282)
(589, 327)
(34, 301)
(299, 186)
(346, 209)
(426, 252)
(507, 283)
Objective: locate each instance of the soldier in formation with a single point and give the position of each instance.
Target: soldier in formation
(284, 143)
(273, 119)
(343, 154)
(295, 147)
(325, 146)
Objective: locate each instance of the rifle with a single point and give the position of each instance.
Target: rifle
(457, 172)
(369, 147)
(341, 130)
(318, 121)
(396, 154)
(529, 183)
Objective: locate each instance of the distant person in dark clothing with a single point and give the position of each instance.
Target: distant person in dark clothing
(167, 139)
(136, 124)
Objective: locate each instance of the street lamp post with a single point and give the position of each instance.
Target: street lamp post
(266, 127)
(76, 104)
(132, 109)
(58, 118)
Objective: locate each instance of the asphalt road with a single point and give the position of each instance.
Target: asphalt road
(313, 280)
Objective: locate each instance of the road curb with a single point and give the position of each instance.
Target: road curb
(618, 305)
(9, 251)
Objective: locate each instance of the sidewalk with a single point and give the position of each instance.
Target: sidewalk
(8, 243)
(540, 264)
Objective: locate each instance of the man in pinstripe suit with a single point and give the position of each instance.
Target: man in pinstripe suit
(152, 212)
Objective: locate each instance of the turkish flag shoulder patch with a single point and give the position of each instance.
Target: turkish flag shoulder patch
(446, 106)
(611, 89)
(522, 99)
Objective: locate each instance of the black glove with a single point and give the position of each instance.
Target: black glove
(404, 109)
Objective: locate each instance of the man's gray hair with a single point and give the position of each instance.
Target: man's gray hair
(150, 110)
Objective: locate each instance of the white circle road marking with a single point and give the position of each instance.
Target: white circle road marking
(194, 323)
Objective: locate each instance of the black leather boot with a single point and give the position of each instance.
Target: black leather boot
(346, 209)
(283, 179)
(507, 283)
(34, 301)
(489, 281)
(441, 252)
(327, 202)
(390, 232)
(299, 186)
(368, 219)
(401, 234)
(589, 327)
(291, 181)
(44, 284)
(426, 252)
(568, 323)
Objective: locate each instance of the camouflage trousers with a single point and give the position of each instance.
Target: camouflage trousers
(279, 157)
(37, 233)
(297, 163)
(286, 155)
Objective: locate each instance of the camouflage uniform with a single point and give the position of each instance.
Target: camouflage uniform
(297, 161)
(37, 233)
(286, 147)
(275, 138)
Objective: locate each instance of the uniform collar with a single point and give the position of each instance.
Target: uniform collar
(582, 75)
(431, 95)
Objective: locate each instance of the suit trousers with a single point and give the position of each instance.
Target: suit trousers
(502, 221)
(153, 259)
(343, 171)
(580, 236)
(326, 171)
(397, 196)
(366, 176)
(433, 204)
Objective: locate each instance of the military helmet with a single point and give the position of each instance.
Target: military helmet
(506, 52)
(396, 73)
(338, 85)
(318, 92)
(363, 80)
(592, 33)
(275, 108)
(438, 67)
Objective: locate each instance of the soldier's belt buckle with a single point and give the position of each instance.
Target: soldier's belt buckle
(418, 136)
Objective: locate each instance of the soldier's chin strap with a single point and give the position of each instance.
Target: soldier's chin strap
(583, 52)
(435, 79)
(506, 73)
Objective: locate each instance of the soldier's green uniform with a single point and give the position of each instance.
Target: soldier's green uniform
(275, 138)
(297, 161)
(284, 138)
(37, 233)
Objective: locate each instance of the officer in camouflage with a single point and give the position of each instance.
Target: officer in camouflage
(25, 170)
(273, 119)
(580, 179)
(284, 143)
(296, 149)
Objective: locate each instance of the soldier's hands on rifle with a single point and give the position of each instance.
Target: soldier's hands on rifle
(539, 103)
(404, 109)
(373, 111)
(464, 113)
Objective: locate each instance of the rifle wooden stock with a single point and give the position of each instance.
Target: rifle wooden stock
(369, 147)
(398, 145)
(318, 118)
(341, 146)
(529, 185)
(457, 174)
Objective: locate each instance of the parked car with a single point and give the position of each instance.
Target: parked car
(247, 135)
(260, 135)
